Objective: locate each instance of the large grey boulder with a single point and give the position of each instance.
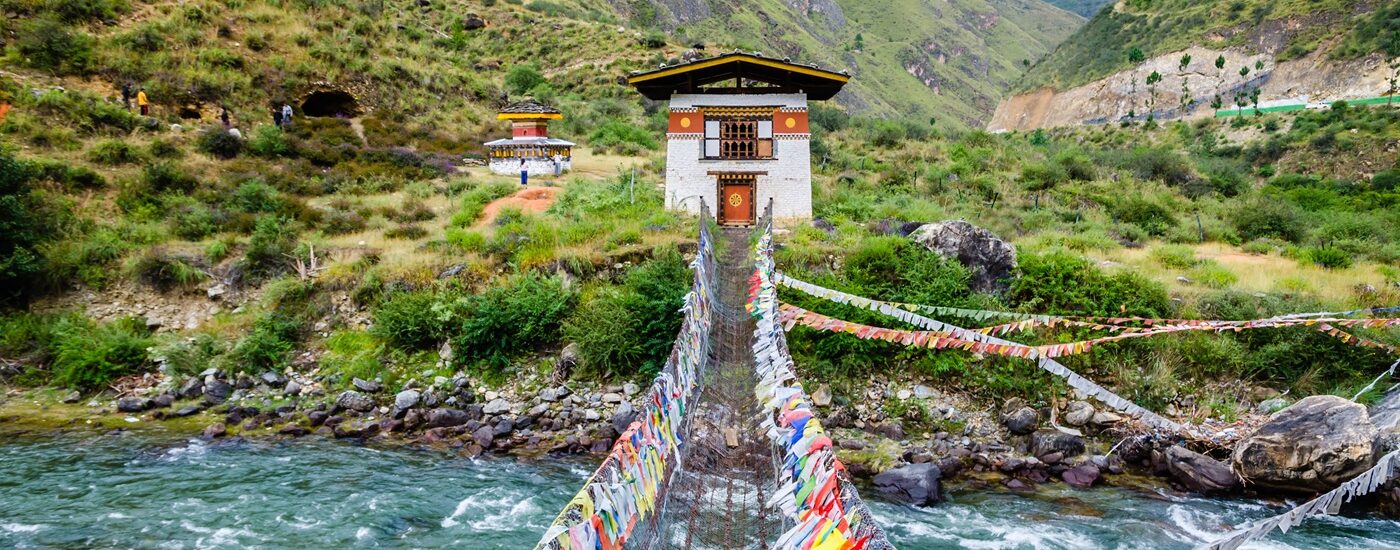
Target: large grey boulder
(1386, 416)
(990, 259)
(355, 401)
(1021, 421)
(447, 418)
(405, 400)
(1045, 442)
(915, 484)
(1311, 446)
(1199, 472)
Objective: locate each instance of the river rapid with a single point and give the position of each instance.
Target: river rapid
(132, 491)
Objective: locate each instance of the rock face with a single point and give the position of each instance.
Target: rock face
(1199, 472)
(990, 259)
(1313, 445)
(915, 484)
(1386, 417)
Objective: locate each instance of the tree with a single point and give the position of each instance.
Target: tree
(1217, 103)
(1185, 86)
(1152, 80)
(860, 42)
(1135, 55)
(1220, 62)
(520, 79)
(1394, 78)
(1244, 71)
(1219, 75)
(1254, 98)
(1259, 65)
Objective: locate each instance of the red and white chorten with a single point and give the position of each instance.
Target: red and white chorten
(529, 139)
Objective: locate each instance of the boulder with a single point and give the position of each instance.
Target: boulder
(404, 401)
(188, 410)
(292, 388)
(1078, 413)
(192, 388)
(496, 406)
(163, 401)
(1385, 414)
(1311, 446)
(215, 430)
(73, 397)
(484, 436)
(915, 484)
(367, 386)
(822, 397)
(623, 417)
(132, 404)
(990, 259)
(447, 418)
(1021, 421)
(1082, 476)
(1198, 472)
(216, 391)
(273, 379)
(1044, 442)
(354, 401)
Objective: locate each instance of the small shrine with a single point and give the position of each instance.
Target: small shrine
(529, 140)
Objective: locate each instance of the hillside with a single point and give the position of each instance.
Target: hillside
(1084, 8)
(1298, 51)
(920, 59)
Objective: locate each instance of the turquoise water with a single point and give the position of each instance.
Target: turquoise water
(126, 491)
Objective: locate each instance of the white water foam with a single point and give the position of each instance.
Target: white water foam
(20, 527)
(494, 511)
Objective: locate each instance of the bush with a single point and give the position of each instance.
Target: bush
(26, 224)
(1062, 283)
(523, 313)
(273, 240)
(256, 197)
(163, 149)
(168, 177)
(220, 143)
(114, 152)
(89, 357)
(1041, 176)
(623, 137)
(522, 78)
(1175, 256)
(1213, 275)
(1326, 257)
(166, 272)
(1267, 217)
(49, 45)
(1386, 181)
(1152, 217)
(267, 346)
(416, 319)
(607, 334)
(268, 142)
(191, 219)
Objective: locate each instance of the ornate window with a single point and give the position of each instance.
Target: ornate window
(739, 138)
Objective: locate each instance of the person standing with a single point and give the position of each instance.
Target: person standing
(223, 116)
(558, 164)
(276, 117)
(126, 95)
(286, 115)
(143, 102)
(524, 173)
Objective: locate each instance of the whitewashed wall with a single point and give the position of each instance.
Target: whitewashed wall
(537, 167)
(789, 174)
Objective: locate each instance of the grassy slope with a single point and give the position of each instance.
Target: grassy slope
(982, 58)
(1158, 27)
(1085, 8)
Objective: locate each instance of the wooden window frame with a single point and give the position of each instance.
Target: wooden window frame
(738, 138)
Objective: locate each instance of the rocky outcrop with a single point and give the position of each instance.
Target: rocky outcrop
(1198, 472)
(990, 259)
(915, 484)
(1311, 446)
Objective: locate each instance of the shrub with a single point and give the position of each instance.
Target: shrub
(267, 346)
(1160, 164)
(114, 152)
(415, 319)
(607, 334)
(659, 287)
(1151, 216)
(26, 223)
(1062, 283)
(89, 357)
(168, 177)
(1041, 176)
(1326, 257)
(163, 149)
(268, 141)
(166, 272)
(49, 45)
(523, 313)
(191, 219)
(1386, 181)
(273, 240)
(220, 143)
(522, 78)
(256, 197)
(622, 137)
(1213, 275)
(1267, 217)
(408, 232)
(1175, 256)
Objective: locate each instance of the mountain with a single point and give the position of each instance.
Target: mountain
(1321, 50)
(1085, 8)
(944, 59)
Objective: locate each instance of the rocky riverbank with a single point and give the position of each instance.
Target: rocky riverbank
(908, 439)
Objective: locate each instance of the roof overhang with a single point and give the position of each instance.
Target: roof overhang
(529, 116)
(782, 75)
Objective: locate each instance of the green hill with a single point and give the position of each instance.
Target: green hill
(949, 60)
(1286, 29)
(1085, 8)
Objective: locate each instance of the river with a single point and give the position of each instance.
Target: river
(132, 491)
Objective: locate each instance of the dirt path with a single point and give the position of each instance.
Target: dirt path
(530, 200)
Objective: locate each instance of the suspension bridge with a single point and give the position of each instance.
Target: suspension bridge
(728, 452)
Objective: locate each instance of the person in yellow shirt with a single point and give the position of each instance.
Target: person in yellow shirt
(144, 103)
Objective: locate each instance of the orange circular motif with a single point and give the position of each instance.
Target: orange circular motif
(735, 200)
(685, 122)
(790, 122)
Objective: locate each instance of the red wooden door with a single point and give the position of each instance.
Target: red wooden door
(736, 198)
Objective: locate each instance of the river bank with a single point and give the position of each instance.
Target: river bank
(139, 488)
